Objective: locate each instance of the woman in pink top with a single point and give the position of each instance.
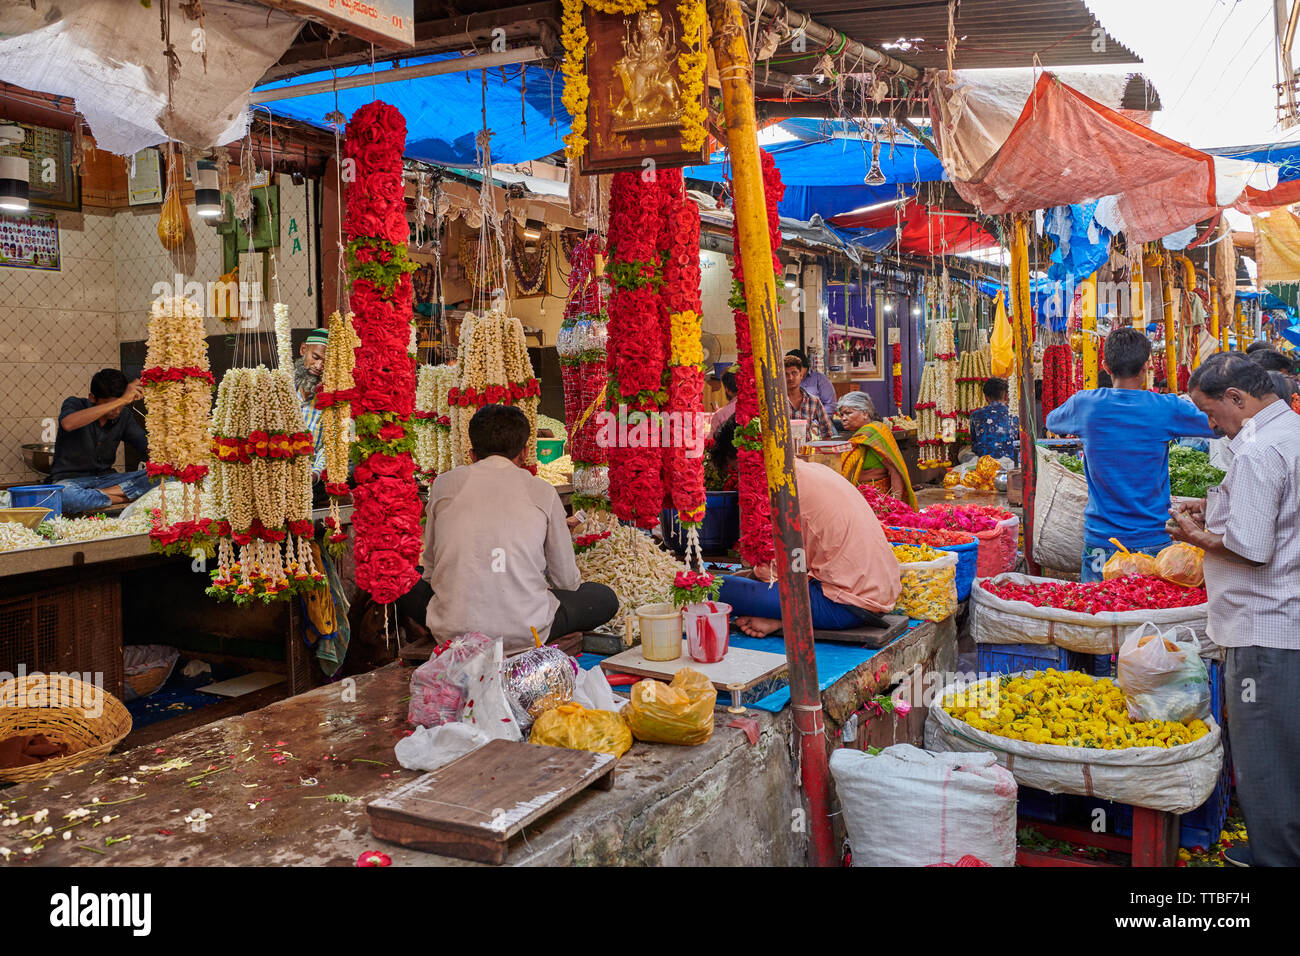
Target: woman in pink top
(853, 573)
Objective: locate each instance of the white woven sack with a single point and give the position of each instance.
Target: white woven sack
(1176, 780)
(1060, 498)
(998, 621)
(907, 807)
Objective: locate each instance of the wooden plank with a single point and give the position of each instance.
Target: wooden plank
(741, 668)
(873, 637)
(473, 806)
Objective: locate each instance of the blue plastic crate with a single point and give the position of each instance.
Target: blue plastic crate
(1040, 805)
(1011, 658)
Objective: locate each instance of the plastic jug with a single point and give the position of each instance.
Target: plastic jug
(708, 627)
(661, 631)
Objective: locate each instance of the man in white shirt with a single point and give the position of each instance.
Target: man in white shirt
(497, 550)
(1249, 527)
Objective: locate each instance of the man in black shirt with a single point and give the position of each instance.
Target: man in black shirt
(90, 429)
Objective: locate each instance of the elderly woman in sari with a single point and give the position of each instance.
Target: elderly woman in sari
(874, 459)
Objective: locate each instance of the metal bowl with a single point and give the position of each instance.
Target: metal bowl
(1000, 481)
(39, 457)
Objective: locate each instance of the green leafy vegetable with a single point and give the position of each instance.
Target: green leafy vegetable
(1190, 472)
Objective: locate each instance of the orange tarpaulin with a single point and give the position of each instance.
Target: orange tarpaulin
(1066, 148)
(927, 231)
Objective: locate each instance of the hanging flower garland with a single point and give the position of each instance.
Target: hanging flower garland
(488, 278)
(757, 541)
(387, 512)
(261, 488)
(492, 368)
(637, 348)
(283, 342)
(432, 421)
(337, 390)
(681, 296)
(529, 270)
(581, 346)
(577, 85)
(896, 370)
(1058, 376)
(178, 397)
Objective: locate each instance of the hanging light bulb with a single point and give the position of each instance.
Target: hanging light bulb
(15, 173)
(207, 194)
(874, 176)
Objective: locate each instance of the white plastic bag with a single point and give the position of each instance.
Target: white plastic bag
(594, 693)
(463, 683)
(1161, 683)
(929, 588)
(431, 747)
(908, 807)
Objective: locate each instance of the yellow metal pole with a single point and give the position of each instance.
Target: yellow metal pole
(1192, 351)
(1222, 317)
(1090, 331)
(1171, 332)
(1241, 327)
(735, 70)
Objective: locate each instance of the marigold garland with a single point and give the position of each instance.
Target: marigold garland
(577, 85)
(387, 512)
(178, 398)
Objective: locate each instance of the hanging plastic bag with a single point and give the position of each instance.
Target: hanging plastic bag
(676, 713)
(574, 727)
(1182, 564)
(1161, 678)
(1124, 562)
(1001, 354)
(173, 221)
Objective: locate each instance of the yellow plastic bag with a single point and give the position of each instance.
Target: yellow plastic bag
(1124, 562)
(676, 713)
(574, 727)
(1182, 564)
(173, 221)
(1001, 355)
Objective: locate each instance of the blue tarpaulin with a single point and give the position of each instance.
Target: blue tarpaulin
(1286, 156)
(826, 177)
(445, 113)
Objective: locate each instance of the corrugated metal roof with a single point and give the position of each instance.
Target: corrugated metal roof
(990, 33)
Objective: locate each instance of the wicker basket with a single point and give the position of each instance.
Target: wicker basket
(60, 714)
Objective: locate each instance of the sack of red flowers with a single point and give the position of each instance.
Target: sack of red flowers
(1091, 618)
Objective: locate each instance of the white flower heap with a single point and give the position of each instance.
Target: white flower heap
(432, 419)
(261, 487)
(283, 345)
(492, 368)
(178, 399)
(334, 398)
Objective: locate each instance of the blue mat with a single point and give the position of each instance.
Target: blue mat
(833, 662)
(171, 701)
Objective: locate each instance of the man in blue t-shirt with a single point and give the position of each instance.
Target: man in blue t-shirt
(1126, 432)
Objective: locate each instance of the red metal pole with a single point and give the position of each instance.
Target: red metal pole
(731, 52)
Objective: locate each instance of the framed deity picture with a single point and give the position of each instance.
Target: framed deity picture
(635, 107)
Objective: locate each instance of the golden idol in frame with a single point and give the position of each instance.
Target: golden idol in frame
(651, 97)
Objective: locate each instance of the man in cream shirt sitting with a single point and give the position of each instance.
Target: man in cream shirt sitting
(498, 554)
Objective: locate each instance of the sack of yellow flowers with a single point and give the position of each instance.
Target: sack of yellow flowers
(1068, 732)
(929, 579)
(676, 713)
(574, 727)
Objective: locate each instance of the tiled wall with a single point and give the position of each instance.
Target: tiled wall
(58, 328)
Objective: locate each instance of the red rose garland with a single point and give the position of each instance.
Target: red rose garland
(386, 515)
(757, 541)
(1058, 376)
(896, 368)
(637, 347)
